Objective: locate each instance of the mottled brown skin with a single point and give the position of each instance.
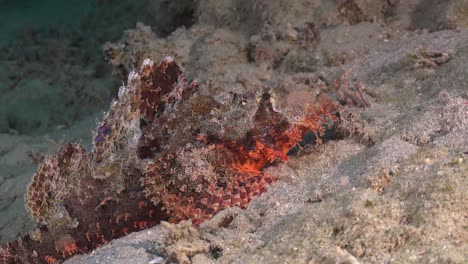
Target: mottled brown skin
(191, 175)
(103, 226)
(101, 217)
(235, 176)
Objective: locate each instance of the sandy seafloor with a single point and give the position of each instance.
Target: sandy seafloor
(393, 190)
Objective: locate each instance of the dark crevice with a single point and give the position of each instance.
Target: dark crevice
(426, 15)
(182, 15)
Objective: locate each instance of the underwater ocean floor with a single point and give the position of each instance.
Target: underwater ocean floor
(16, 166)
(54, 85)
(390, 188)
(394, 191)
(15, 15)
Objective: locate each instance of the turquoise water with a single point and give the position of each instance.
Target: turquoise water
(52, 68)
(15, 15)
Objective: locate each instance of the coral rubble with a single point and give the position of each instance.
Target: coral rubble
(164, 151)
